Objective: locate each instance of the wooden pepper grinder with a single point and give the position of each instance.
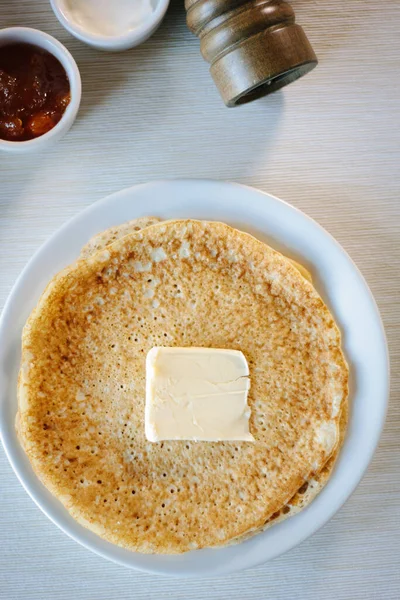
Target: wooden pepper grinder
(254, 47)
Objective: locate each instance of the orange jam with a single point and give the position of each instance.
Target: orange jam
(34, 92)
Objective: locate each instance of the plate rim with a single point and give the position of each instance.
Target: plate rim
(110, 551)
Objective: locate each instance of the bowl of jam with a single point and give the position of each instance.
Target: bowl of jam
(40, 89)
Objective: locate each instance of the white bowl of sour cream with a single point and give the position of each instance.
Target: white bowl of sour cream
(113, 26)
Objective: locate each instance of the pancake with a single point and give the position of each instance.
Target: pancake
(81, 392)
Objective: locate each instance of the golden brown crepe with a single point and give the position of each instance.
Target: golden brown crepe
(81, 390)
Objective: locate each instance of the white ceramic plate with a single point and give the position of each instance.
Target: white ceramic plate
(336, 278)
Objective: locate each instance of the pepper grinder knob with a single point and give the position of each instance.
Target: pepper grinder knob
(254, 47)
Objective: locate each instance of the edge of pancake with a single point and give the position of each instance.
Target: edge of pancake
(113, 234)
(308, 491)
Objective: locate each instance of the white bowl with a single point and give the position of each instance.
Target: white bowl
(335, 277)
(115, 43)
(38, 38)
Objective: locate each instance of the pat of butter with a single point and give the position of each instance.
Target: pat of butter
(197, 394)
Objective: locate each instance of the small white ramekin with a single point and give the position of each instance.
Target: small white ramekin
(38, 38)
(111, 43)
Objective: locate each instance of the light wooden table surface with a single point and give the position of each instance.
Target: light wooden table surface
(330, 145)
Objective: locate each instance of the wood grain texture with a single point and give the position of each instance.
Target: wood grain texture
(254, 48)
(330, 145)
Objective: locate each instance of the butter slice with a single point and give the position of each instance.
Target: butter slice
(197, 394)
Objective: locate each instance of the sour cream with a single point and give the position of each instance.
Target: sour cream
(108, 18)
